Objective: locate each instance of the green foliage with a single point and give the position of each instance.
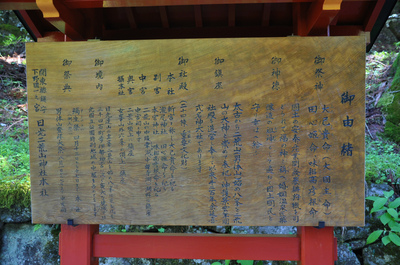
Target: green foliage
(392, 131)
(161, 230)
(388, 213)
(396, 71)
(14, 173)
(249, 262)
(392, 128)
(378, 65)
(385, 100)
(13, 122)
(392, 107)
(12, 32)
(14, 157)
(11, 39)
(382, 163)
(37, 227)
(219, 263)
(15, 191)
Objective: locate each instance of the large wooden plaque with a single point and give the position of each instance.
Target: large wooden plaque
(256, 131)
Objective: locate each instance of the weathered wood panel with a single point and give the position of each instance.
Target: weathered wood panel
(198, 132)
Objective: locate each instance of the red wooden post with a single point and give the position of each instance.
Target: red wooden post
(318, 246)
(76, 244)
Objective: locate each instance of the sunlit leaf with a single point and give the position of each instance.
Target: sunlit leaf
(388, 194)
(393, 224)
(395, 238)
(393, 212)
(396, 229)
(379, 203)
(374, 236)
(372, 198)
(385, 218)
(245, 262)
(395, 203)
(386, 240)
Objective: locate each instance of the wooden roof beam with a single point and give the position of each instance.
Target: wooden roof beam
(95, 23)
(164, 17)
(131, 17)
(140, 3)
(266, 15)
(319, 16)
(73, 4)
(197, 16)
(201, 32)
(69, 22)
(231, 15)
(299, 21)
(33, 27)
(373, 15)
(143, 3)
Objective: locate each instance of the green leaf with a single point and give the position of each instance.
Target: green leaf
(384, 208)
(385, 218)
(388, 194)
(379, 203)
(386, 240)
(393, 224)
(37, 227)
(216, 263)
(393, 212)
(396, 228)
(395, 238)
(227, 261)
(245, 262)
(161, 230)
(372, 198)
(374, 236)
(395, 203)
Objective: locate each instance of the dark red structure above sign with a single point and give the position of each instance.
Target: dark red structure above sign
(160, 19)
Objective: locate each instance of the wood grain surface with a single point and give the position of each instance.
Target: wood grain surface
(256, 131)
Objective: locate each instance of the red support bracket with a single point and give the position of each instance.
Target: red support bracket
(83, 245)
(197, 246)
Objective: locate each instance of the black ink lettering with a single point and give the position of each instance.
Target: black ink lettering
(348, 122)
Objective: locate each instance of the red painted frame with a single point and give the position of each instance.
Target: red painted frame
(83, 244)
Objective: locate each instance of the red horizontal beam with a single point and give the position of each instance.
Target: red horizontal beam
(196, 246)
(31, 4)
(203, 32)
(138, 3)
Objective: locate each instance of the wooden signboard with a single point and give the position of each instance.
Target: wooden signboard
(250, 131)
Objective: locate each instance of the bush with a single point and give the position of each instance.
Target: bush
(382, 164)
(392, 129)
(14, 157)
(14, 173)
(15, 191)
